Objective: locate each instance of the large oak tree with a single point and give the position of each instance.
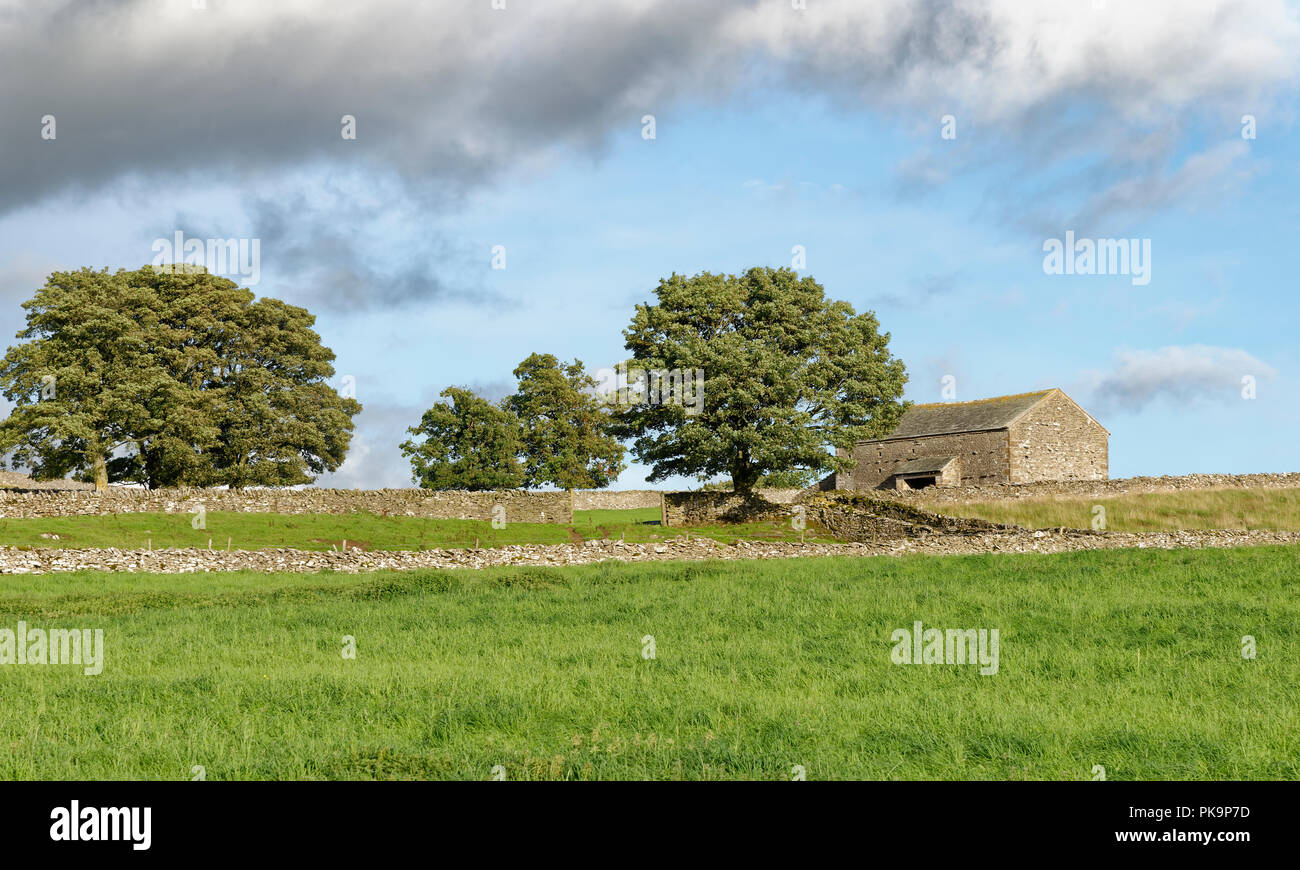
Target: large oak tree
(789, 376)
(170, 377)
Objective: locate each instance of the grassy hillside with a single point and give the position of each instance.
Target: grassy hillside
(249, 531)
(1150, 512)
(1126, 659)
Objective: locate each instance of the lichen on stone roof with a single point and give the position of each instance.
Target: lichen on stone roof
(951, 418)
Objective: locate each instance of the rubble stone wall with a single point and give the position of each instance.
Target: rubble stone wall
(1049, 489)
(518, 506)
(702, 508)
(624, 500)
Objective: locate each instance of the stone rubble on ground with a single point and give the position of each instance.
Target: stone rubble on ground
(42, 560)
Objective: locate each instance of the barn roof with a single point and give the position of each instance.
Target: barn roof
(950, 418)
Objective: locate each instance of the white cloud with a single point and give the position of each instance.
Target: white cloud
(369, 467)
(1000, 58)
(1187, 373)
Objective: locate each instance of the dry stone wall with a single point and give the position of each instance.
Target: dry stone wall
(622, 500)
(780, 496)
(518, 507)
(680, 508)
(701, 508)
(1048, 489)
(630, 499)
(857, 516)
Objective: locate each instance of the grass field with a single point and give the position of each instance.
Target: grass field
(1148, 512)
(254, 531)
(1127, 659)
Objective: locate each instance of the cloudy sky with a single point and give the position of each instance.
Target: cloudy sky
(921, 154)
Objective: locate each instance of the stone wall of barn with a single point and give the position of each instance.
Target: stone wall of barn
(1057, 440)
(982, 458)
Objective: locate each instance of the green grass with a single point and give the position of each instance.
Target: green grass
(1127, 659)
(255, 531)
(615, 518)
(1148, 512)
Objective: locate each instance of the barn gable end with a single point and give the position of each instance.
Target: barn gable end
(1057, 440)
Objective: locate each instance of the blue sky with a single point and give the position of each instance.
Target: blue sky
(775, 132)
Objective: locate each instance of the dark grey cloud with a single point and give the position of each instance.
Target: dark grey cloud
(245, 96)
(444, 93)
(448, 95)
(447, 92)
(320, 258)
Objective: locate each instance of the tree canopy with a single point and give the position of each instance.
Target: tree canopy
(789, 376)
(554, 430)
(469, 443)
(170, 377)
(564, 426)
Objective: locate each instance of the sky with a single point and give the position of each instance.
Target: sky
(918, 159)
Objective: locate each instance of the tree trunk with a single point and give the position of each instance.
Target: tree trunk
(743, 478)
(100, 464)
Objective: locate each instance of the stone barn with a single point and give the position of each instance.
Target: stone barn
(1008, 439)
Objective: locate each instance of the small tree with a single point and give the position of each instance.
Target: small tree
(468, 443)
(565, 426)
(789, 376)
